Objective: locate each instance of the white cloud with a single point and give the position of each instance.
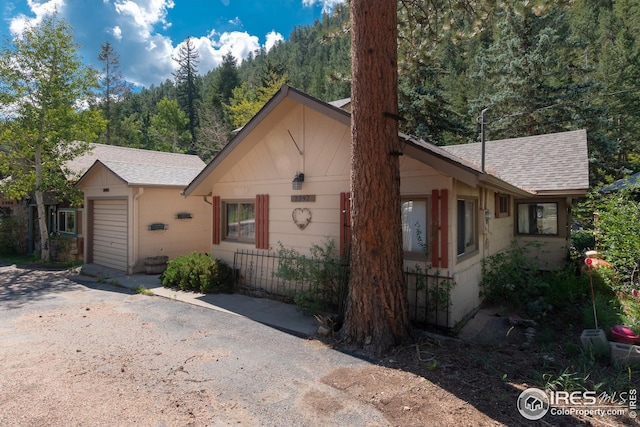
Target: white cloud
(272, 38)
(136, 29)
(117, 32)
(145, 13)
(212, 48)
(18, 24)
(327, 5)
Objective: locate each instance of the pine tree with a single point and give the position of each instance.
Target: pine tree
(377, 316)
(113, 87)
(615, 50)
(227, 79)
(186, 82)
(530, 78)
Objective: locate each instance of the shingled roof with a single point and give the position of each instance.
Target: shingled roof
(552, 164)
(140, 167)
(555, 163)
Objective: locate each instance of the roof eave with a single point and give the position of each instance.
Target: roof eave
(460, 171)
(154, 185)
(570, 192)
(503, 186)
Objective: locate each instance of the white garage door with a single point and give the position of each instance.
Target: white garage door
(110, 233)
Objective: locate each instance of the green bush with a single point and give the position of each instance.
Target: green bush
(198, 272)
(581, 241)
(618, 231)
(512, 279)
(12, 234)
(325, 272)
(508, 275)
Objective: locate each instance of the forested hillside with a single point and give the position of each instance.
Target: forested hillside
(536, 68)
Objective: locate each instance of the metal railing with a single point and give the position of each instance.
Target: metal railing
(429, 298)
(260, 273)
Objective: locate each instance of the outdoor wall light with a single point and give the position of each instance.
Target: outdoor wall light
(184, 215)
(296, 184)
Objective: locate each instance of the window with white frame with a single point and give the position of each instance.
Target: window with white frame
(415, 226)
(67, 221)
(538, 218)
(240, 221)
(467, 225)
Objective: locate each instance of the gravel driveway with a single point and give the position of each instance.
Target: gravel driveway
(98, 355)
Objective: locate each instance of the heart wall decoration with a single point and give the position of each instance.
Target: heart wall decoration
(301, 217)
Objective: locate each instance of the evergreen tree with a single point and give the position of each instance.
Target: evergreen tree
(377, 316)
(186, 83)
(226, 80)
(612, 47)
(528, 77)
(113, 87)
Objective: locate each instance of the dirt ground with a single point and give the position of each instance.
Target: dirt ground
(98, 360)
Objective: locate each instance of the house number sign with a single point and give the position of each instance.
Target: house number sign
(304, 198)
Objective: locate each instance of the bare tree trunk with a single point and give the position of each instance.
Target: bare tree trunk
(42, 213)
(376, 318)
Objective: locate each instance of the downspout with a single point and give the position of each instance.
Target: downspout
(485, 221)
(483, 142)
(133, 256)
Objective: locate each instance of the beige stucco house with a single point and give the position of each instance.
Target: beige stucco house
(134, 209)
(284, 179)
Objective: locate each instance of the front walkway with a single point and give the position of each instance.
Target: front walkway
(282, 316)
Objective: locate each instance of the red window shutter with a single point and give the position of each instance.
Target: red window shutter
(345, 224)
(435, 228)
(262, 221)
(444, 228)
(215, 221)
(496, 208)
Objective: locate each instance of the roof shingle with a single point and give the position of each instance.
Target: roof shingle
(141, 167)
(553, 162)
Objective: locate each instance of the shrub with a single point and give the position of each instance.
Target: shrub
(581, 241)
(618, 231)
(510, 278)
(508, 275)
(12, 233)
(198, 272)
(325, 271)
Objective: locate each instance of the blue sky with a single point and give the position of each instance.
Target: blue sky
(147, 33)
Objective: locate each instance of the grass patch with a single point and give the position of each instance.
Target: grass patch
(142, 290)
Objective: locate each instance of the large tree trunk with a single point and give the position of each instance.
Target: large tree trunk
(376, 317)
(42, 214)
